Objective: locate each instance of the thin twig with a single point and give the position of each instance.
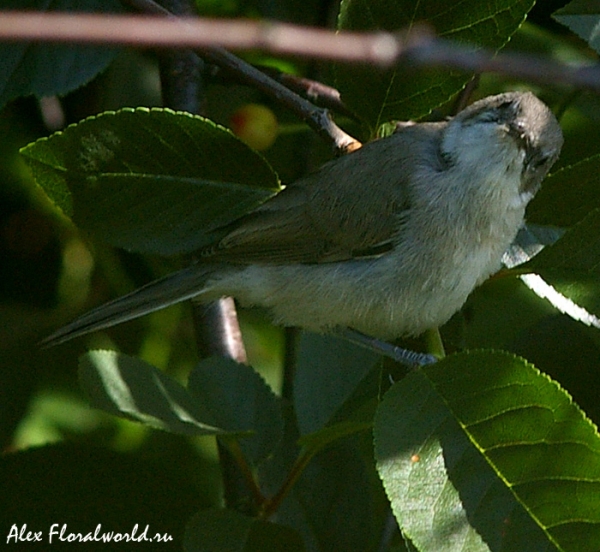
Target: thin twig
(315, 91)
(317, 118)
(446, 53)
(270, 506)
(418, 48)
(218, 331)
(198, 33)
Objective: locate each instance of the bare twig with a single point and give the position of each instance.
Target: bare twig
(419, 47)
(317, 118)
(465, 94)
(198, 33)
(217, 330)
(439, 52)
(181, 83)
(317, 92)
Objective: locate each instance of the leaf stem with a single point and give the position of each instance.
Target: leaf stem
(307, 453)
(233, 446)
(270, 505)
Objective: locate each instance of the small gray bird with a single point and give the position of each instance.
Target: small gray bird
(389, 240)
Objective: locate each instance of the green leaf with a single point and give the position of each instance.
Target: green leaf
(131, 388)
(328, 371)
(583, 18)
(239, 400)
(332, 502)
(406, 92)
(483, 452)
(568, 195)
(572, 264)
(151, 180)
(330, 434)
(49, 69)
(230, 531)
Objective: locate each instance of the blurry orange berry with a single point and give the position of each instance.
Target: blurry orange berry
(256, 125)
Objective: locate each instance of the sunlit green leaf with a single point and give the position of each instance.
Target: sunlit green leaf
(129, 387)
(482, 452)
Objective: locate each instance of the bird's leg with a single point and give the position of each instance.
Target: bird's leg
(404, 356)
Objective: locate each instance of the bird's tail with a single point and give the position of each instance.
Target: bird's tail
(171, 289)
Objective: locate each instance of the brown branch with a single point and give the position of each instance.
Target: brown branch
(317, 118)
(218, 331)
(216, 324)
(317, 92)
(445, 53)
(419, 47)
(198, 33)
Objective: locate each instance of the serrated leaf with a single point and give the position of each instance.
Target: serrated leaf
(230, 531)
(583, 18)
(239, 400)
(483, 452)
(131, 388)
(151, 180)
(568, 195)
(572, 264)
(405, 93)
(328, 370)
(50, 69)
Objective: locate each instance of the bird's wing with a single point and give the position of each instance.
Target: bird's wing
(352, 207)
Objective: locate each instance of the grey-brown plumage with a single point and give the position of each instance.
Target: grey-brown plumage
(389, 240)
